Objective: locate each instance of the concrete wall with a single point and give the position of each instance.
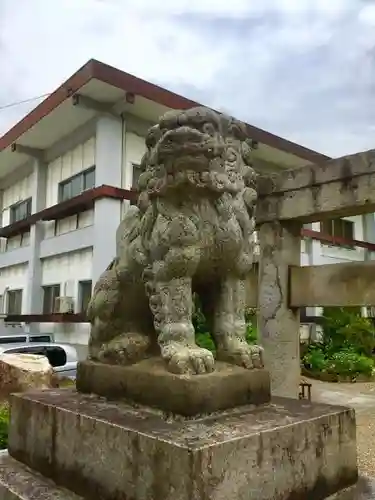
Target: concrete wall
(133, 152)
(68, 164)
(12, 278)
(76, 248)
(67, 270)
(315, 252)
(71, 162)
(19, 191)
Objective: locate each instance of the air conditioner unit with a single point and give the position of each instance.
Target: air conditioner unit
(64, 305)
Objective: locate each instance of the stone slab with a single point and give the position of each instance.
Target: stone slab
(149, 383)
(286, 450)
(18, 482)
(363, 490)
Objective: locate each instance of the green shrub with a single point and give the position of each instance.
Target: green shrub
(202, 336)
(4, 423)
(347, 344)
(251, 333)
(349, 363)
(315, 359)
(344, 362)
(205, 340)
(345, 328)
(199, 320)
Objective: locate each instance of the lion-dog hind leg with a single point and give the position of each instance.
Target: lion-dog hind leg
(122, 330)
(229, 326)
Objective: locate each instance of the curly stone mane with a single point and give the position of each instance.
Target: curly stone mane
(214, 160)
(191, 231)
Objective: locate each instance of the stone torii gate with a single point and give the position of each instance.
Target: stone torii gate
(280, 286)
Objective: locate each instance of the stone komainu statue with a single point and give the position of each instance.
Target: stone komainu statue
(192, 232)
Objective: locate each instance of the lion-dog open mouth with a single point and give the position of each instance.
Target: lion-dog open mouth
(186, 141)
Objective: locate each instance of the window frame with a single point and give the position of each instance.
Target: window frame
(348, 224)
(134, 186)
(338, 228)
(57, 349)
(81, 178)
(16, 206)
(81, 295)
(46, 288)
(13, 339)
(8, 302)
(40, 338)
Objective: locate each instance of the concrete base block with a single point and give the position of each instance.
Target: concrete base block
(18, 482)
(363, 490)
(149, 383)
(286, 450)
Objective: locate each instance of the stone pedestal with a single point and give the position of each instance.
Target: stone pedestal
(286, 449)
(364, 489)
(149, 383)
(19, 482)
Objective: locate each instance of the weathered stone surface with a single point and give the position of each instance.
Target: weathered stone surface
(333, 285)
(18, 482)
(150, 383)
(278, 325)
(328, 285)
(363, 490)
(333, 170)
(191, 231)
(338, 188)
(20, 372)
(289, 449)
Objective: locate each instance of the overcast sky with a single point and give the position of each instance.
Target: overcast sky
(302, 69)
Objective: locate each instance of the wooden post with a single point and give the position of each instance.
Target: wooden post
(279, 326)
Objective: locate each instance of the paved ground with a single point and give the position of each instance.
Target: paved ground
(361, 397)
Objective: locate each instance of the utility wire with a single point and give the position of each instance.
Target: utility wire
(17, 103)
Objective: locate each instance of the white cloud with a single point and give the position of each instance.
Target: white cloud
(301, 68)
(367, 14)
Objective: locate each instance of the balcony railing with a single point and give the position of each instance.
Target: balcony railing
(74, 206)
(337, 240)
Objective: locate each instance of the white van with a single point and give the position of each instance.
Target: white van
(62, 357)
(26, 338)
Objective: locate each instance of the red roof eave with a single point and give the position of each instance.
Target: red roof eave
(97, 70)
(73, 84)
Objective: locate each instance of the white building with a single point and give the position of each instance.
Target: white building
(66, 171)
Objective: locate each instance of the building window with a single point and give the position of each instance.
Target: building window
(85, 288)
(20, 210)
(89, 179)
(339, 228)
(14, 301)
(136, 173)
(75, 185)
(50, 293)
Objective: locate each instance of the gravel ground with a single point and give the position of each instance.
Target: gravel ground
(360, 396)
(366, 443)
